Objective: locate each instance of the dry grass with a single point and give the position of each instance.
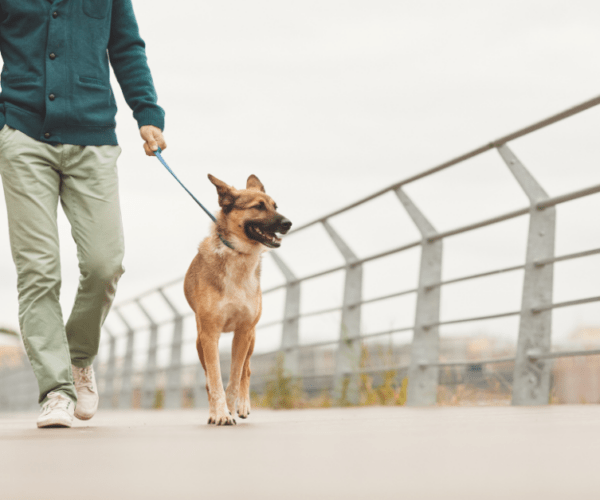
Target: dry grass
(468, 395)
(285, 392)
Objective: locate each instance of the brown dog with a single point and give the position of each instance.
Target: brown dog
(222, 286)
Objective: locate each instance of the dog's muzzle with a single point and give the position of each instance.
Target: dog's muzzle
(265, 232)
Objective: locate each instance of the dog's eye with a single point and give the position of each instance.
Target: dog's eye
(260, 207)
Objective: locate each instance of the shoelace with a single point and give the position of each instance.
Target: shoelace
(83, 377)
(55, 400)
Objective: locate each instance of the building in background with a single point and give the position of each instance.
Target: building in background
(577, 379)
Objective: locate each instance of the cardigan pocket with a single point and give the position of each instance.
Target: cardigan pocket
(92, 103)
(97, 9)
(92, 81)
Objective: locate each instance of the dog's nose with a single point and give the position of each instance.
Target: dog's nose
(286, 224)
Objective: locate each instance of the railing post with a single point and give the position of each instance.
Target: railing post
(291, 319)
(531, 383)
(109, 399)
(346, 380)
(126, 392)
(149, 381)
(173, 390)
(423, 377)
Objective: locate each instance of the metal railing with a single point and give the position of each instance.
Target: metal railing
(123, 386)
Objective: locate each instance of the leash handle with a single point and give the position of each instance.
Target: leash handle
(159, 156)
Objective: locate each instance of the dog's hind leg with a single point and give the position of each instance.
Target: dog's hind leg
(219, 414)
(244, 395)
(201, 356)
(239, 352)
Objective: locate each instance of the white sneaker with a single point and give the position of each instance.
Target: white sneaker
(57, 411)
(87, 392)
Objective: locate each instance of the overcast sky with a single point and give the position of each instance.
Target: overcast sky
(327, 101)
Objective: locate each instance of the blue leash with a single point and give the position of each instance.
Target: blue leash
(160, 158)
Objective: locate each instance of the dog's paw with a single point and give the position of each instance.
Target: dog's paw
(243, 407)
(222, 418)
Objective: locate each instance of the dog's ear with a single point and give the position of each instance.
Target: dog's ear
(254, 183)
(227, 194)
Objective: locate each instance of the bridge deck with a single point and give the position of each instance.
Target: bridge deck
(547, 452)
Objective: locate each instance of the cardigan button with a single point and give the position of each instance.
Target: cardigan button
(47, 135)
(55, 15)
(52, 56)
(52, 97)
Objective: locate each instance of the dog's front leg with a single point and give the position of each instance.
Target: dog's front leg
(219, 414)
(242, 340)
(244, 396)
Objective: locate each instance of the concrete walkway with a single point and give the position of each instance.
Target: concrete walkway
(486, 453)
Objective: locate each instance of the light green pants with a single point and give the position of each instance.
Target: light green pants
(35, 176)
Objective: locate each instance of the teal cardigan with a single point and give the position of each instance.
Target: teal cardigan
(56, 78)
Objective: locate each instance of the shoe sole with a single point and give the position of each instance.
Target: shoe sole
(53, 425)
(84, 416)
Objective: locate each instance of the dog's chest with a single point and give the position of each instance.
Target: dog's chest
(241, 300)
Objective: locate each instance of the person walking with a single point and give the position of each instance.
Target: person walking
(58, 142)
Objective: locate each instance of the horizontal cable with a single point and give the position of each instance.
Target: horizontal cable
(302, 347)
(272, 289)
(478, 318)
(576, 255)
(303, 315)
(565, 304)
(270, 323)
(467, 362)
(336, 341)
(345, 373)
(339, 308)
(384, 297)
(360, 337)
(353, 264)
(150, 292)
(473, 276)
(386, 253)
(476, 225)
(568, 197)
(386, 332)
(379, 369)
(314, 313)
(562, 354)
(261, 377)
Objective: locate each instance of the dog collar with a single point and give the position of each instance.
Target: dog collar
(225, 242)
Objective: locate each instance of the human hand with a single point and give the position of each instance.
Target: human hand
(154, 139)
